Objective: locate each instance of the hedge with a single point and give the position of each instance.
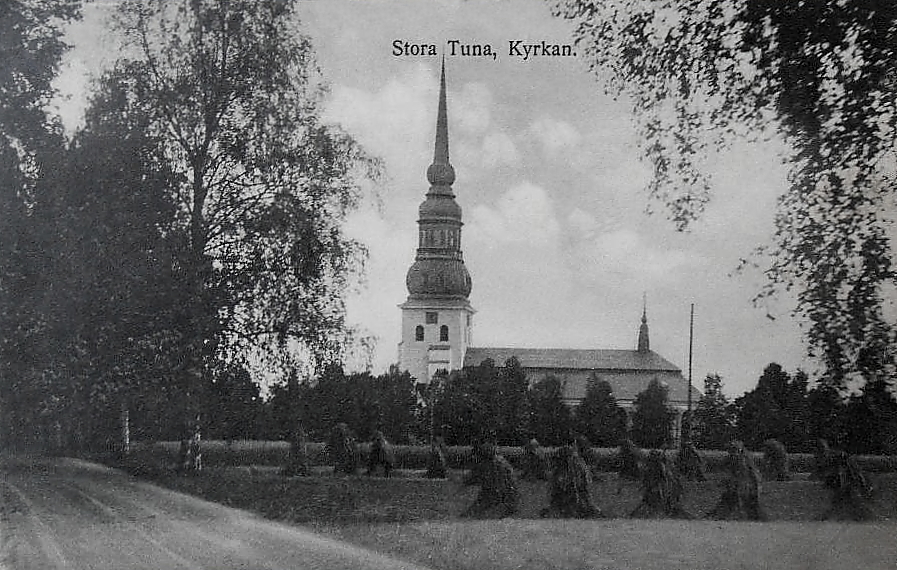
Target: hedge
(216, 453)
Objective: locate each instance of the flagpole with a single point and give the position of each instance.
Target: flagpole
(691, 336)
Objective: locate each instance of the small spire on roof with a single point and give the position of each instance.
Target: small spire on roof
(644, 344)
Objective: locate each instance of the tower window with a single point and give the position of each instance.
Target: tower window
(431, 318)
(419, 333)
(443, 333)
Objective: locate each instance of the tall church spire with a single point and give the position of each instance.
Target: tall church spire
(643, 342)
(441, 173)
(438, 270)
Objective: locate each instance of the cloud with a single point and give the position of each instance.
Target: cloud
(498, 150)
(523, 214)
(470, 108)
(374, 309)
(626, 254)
(393, 121)
(582, 222)
(554, 135)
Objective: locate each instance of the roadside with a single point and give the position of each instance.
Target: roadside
(70, 514)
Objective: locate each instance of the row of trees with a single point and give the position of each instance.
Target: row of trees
(782, 407)
(190, 228)
(496, 402)
(485, 401)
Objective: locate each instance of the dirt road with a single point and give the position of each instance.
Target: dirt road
(64, 513)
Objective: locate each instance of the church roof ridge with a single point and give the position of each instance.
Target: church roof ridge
(573, 358)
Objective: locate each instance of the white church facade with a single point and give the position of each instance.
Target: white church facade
(437, 317)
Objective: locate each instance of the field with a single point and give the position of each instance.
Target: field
(418, 519)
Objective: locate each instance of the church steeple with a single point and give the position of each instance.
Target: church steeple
(436, 317)
(440, 172)
(438, 269)
(643, 342)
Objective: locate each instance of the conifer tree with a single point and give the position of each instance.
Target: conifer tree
(598, 416)
(652, 420)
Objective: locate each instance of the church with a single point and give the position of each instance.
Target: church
(437, 317)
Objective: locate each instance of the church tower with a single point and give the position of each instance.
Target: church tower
(436, 317)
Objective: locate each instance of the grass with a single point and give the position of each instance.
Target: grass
(417, 519)
(643, 544)
(327, 500)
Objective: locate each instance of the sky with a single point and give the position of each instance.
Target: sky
(556, 236)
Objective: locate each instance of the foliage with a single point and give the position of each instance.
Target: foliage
(29, 143)
(365, 403)
(864, 422)
(193, 228)
(31, 39)
(234, 406)
(652, 418)
(702, 74)
(551, 422)
(484, 400)
(263, 188)
(869, 423)
(113, 258)
(825, 414)
(713, 422)
(598, 416)
(775, 409)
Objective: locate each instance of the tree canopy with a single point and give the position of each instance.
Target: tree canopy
(31, 144)
(712, 424)
(775, 409)
(264, 186)
(703, 73)
(193, 227)
(598, 416)
(652, 418)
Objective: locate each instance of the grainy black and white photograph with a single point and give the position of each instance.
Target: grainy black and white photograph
(448, 284)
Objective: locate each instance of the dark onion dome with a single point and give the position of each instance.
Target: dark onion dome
(439, 206)
(441, 173)
(438, 277)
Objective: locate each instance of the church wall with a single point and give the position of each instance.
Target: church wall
(414, 355)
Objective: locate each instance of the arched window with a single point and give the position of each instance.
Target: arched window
(443, 333)
(419, 333)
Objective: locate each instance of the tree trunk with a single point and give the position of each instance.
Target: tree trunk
(125, 429)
